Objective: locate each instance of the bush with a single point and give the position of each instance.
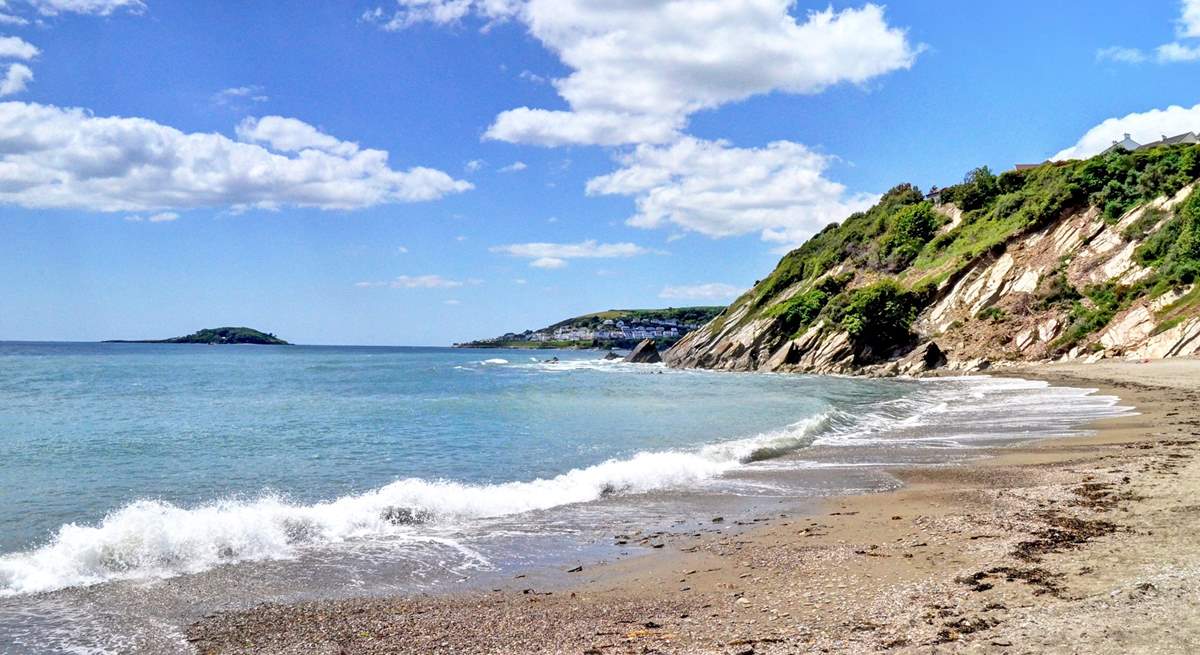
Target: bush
(912, 227)
(879, 315)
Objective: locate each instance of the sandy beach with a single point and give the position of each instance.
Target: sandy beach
(1072, 545)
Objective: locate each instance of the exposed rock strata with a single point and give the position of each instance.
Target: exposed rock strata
(1007, 283)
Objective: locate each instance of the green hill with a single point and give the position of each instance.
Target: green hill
(222, 335)
(683, 319)
(1058, 250)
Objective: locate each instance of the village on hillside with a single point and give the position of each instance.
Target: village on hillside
(612, 329)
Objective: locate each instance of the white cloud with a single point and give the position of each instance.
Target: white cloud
(514, 167)
(639, 69)
(161, 217)
(709, 291)
(548, 262)
(9, 19)
(93, 7)
(452, 301)
(414, 282)
(238, 95)
(292, 135)
(440, 12)
(1172, 53)
(401, 250)
(555, 255)
(15, 80)
(1120, 54)
(1187, 26)
(718, 190)
(1142, 127)
(14, 47)
(474, 165)
(1189, 21)
(53, 157)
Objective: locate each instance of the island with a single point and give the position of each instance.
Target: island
(216, 336)
(615, 328)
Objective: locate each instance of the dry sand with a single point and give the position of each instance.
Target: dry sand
(1079, 545)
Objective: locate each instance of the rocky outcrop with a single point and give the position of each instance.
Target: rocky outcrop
(644, 353)
(999, 307)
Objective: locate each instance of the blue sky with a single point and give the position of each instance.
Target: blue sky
(426, 171)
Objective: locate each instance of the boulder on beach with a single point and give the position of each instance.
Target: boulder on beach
(644, 353)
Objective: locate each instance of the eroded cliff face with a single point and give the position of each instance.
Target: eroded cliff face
(999, 307)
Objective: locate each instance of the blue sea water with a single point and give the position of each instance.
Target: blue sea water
(135, 463)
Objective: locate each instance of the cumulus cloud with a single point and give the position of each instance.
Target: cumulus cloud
(292, 135)
(555, 255)
(414, 282)
(14, 47)
(639, 69)
(514, 167)
(161, 217)
(1142, 127)
(54, 157)
(709, 291)
(718, 190)
(475, 165)
(15, 80)
(9, 19)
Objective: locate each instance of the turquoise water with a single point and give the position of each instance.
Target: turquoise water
(141, 462)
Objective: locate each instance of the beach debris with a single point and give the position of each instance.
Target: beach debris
(577, 569)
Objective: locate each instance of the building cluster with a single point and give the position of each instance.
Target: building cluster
(609, 330)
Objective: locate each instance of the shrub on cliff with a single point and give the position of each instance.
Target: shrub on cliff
(880, 315)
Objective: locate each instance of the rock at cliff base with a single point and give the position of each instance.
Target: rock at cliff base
(645, 353)
(925, 357)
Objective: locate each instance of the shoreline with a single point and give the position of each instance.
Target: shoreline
(1074, 544)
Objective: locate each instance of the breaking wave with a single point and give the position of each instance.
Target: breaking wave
(157, 539)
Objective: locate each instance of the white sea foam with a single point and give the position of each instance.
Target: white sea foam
(495, 361)
(151, 538)
(154, 539)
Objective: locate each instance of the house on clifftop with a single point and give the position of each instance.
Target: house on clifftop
(1130, 145)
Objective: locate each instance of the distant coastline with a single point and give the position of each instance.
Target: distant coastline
(620, 329)
(217, 336)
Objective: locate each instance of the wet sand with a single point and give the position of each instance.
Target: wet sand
(1074, 545)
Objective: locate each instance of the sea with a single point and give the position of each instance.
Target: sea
(143, 486)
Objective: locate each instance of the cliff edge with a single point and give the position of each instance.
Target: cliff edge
(1076, 260)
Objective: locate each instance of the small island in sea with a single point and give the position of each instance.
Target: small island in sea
(216, 336)
(615, 328)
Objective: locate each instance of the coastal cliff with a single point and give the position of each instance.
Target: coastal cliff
(1077, 260)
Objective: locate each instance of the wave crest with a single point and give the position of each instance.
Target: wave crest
(154, 538)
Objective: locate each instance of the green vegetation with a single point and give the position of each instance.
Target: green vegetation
(1174, 251)
(889, 256)
(879, 315)
(993, 314)
(222, 335)
(693, 315)
(682, 316)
